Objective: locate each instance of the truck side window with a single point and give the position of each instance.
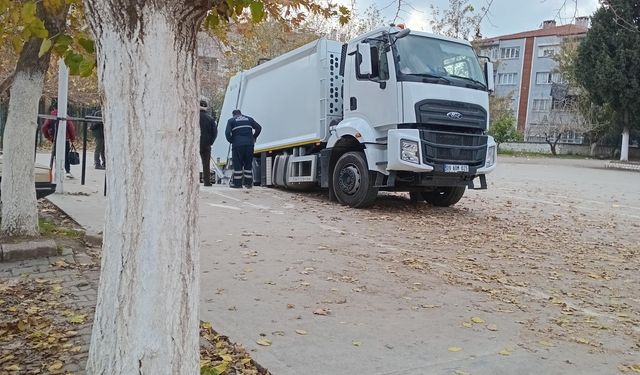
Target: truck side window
(383, 63)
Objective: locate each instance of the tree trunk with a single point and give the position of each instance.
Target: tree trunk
(624, 153)
(146, 318)
(19, 207)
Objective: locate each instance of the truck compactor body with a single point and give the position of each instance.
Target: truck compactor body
(392, 110)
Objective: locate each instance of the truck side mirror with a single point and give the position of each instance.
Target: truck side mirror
(364, 63)
(488, 75)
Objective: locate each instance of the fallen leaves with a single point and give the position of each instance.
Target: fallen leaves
(477, 320)
(220, 356)
(264, 342)
(356, 343)
(35, 326)
(321, 311)
(454, 349)
(505, 352)
(301, 332)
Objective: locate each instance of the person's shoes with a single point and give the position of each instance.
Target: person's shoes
(248, 186)
(69, 175)
(99, 167)
(209, 184)
(235, 187)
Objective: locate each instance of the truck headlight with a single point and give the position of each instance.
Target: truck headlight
(491, 157)
(409, 151)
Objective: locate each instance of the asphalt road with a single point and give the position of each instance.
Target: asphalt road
(537, 275)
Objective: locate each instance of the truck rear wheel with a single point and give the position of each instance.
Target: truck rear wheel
(352, 181)
(444, 196)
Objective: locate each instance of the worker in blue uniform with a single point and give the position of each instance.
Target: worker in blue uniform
(242, 132)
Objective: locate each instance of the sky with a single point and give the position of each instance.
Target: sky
(505, 16)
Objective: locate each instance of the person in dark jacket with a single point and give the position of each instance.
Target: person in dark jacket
(97, 128)
(242, 132)
(208, 134)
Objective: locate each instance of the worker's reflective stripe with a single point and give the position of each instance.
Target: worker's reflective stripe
(241, 126)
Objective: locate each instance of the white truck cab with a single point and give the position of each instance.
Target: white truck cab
(393, 110)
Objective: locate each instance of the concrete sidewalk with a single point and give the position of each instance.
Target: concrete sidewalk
(85, 204)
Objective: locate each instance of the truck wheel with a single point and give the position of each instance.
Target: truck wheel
(352, 182)
(444, 196)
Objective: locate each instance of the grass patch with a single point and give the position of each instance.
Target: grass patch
(523, 154)
(47, 228)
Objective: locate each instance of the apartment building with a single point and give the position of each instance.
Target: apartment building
(526, 71)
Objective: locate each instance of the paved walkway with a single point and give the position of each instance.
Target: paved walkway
(60, 292)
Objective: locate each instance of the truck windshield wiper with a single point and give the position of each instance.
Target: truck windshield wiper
(434, 76)
(470, 80)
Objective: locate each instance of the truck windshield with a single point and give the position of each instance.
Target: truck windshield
(438, 61)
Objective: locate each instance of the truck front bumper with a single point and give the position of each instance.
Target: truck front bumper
(423, 151)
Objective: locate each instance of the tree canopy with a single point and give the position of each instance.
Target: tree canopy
(608, 60)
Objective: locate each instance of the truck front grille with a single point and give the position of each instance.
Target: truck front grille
(453, 148)
(451, 114)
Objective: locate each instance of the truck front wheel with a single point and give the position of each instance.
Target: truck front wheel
(353, 182)
(444, 196)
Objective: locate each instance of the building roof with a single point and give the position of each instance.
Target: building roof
(563, 30)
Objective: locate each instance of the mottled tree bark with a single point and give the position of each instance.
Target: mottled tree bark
(146, 319)
(19, 208)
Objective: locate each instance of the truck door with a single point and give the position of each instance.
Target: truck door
(373, 98)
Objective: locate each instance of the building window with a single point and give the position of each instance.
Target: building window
(541, 105)
(547, 78)
(507, 78)
(490, 52)
(509, 53)
(547, 51)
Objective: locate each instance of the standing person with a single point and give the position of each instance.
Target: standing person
(97, 128)
(242, 132)
(208, 134)
(50, 131)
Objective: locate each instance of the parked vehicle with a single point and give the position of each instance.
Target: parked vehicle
(44, 186)
(392, 110)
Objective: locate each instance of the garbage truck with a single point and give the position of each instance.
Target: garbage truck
(391, 110)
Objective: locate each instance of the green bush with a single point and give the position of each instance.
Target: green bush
(503, 130)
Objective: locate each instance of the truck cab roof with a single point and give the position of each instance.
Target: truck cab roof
(391, 29)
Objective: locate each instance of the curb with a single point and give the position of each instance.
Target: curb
(623, 166)
(11, 252)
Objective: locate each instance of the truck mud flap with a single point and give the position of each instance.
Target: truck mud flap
(325, 170)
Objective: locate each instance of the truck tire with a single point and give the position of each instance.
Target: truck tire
(444, 196)
(352, 181)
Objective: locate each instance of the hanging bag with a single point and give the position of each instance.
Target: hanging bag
(74, 156)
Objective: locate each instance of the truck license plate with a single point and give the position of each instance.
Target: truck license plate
(455, 168)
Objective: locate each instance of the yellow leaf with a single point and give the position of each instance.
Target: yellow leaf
(581, 340)
(459, 372)
(264, 342)
(7, 358)
(454, 349)
(226, 358)
(245, 361)
(356, 343)
(23, 325)
(301, 332)
(467, 324)
(492, 327)
(221, 367)
(45, 47)
(55, 367)
(13, 368)
(477, 320)
(56, 289)
(75, 349)
(206, 325)
(77, 319)
(504, 352)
